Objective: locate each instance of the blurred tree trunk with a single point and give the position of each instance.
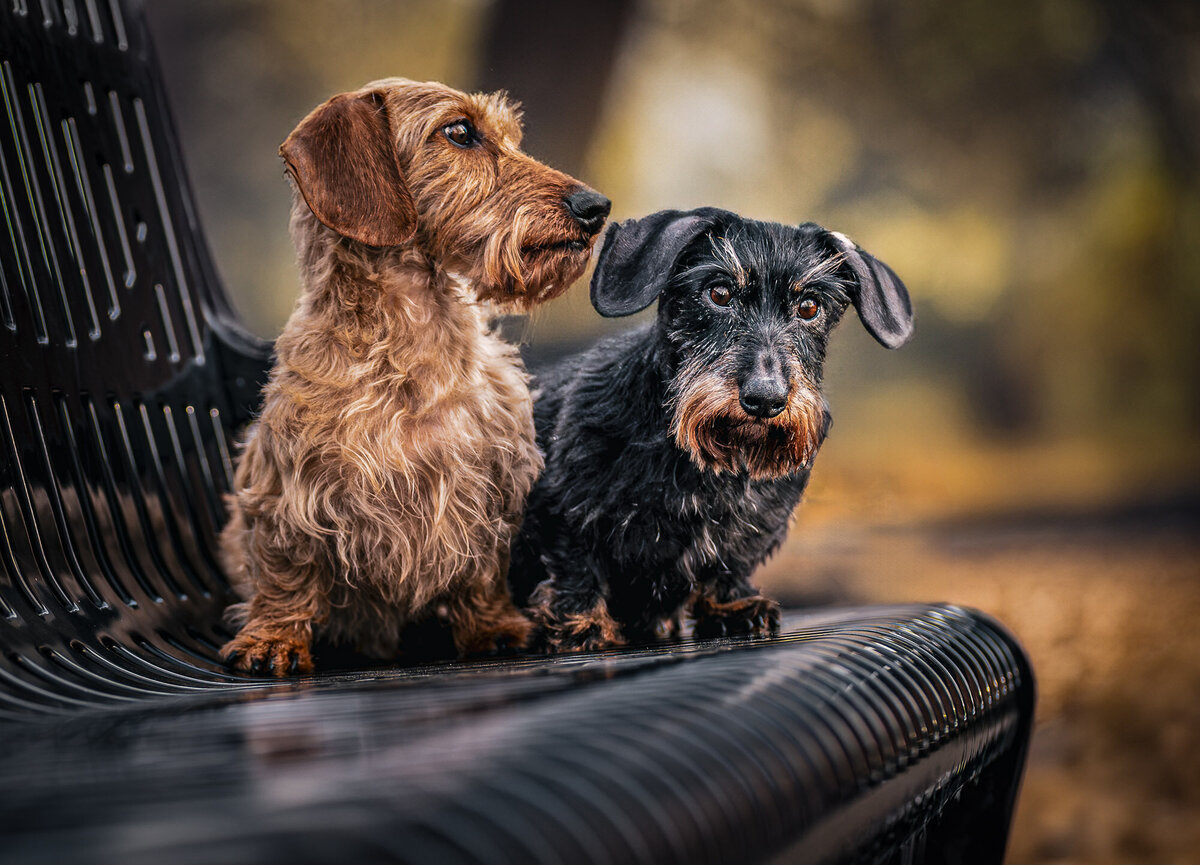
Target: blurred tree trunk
(1156, 42)
(556, 57)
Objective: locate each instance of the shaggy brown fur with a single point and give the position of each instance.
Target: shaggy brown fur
(387, 472)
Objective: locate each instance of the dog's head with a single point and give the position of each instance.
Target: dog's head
(745, 311)
(402, 162)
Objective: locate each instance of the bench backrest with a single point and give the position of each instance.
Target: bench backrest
(123, 372)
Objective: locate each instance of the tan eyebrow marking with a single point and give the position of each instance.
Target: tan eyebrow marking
(727, 255)
(819, 270)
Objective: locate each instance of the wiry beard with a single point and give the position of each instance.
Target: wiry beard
(709, 424)
(532, 258)
(534, 275)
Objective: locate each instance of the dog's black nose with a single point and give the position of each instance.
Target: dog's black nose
(763, 397)
(589, 208)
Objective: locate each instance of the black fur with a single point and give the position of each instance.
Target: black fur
(623, 517)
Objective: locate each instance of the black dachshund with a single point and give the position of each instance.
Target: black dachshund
(677, 452)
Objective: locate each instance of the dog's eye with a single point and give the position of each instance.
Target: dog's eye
(720, 294)
(461, 133)
(809, 309)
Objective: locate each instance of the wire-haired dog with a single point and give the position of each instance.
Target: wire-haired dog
(676, 453)
(388, 470)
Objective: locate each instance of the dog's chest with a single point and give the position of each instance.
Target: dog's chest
(690, 524)
(728, 523)
(441, 409)
(690, 529)
(429, 469)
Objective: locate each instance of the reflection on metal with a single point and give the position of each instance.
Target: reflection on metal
(874, 734)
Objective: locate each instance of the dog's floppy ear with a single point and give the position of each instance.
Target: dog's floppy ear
(639, 255)
(880, 297)
(343, 161)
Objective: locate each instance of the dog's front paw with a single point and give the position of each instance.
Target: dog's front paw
(264, 653)
(559, 631)
(754, 616)
(501, 636)
(582, 633)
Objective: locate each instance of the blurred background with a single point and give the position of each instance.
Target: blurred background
(1031, 169)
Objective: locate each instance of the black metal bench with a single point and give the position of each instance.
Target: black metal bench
(870, 734)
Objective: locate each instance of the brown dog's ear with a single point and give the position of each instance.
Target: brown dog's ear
(343, 161)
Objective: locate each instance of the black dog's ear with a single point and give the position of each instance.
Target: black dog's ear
(880, 297)
(639, 256)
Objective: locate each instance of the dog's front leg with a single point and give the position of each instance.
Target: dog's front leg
(289, 595)
(484, 619)
(730, 606)
(572, 614)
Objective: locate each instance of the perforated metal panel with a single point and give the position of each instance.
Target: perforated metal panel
(123, 374)
(874, 734)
